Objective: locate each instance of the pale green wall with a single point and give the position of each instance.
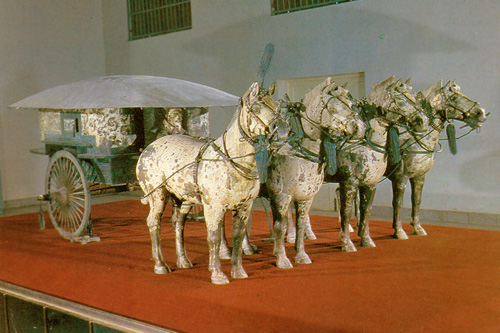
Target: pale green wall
(426, 40)
(42, 44)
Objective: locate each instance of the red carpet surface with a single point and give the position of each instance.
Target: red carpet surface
(448, 281)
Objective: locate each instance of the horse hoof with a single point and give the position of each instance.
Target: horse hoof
(283, 263)
(310, 236)
(225, 254)
(367, 242)
(249, 250)
(238, 273)
(349, 247)
(184, 263)
(303, 259)
(162, 270)
(219, 278)
(419, 231)
(400, 234)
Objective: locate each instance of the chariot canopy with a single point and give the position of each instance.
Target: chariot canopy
(128, 91)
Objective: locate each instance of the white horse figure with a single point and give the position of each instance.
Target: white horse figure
(441, 104)
(297, 169)
(221, 174)
(361, 165)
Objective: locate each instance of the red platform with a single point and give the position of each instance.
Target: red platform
(448, 281)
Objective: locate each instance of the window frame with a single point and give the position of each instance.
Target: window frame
(148, 18)
(299, 5)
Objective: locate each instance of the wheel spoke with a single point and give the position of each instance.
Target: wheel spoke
(67, 178)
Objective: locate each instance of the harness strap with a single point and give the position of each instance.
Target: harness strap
(197, 162)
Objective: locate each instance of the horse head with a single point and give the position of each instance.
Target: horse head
(330, 107)
(397, 104)
(449, 103)
(261, 124)
(260, 115)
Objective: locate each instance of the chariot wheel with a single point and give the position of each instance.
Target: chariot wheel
(68, 195)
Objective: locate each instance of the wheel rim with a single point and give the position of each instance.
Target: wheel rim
(67, 186)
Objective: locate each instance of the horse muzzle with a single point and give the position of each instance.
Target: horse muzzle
(419, 124)
(476, 117)
(355, 129)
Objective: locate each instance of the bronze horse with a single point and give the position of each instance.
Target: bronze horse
(441, 104)
(297, 169)
(221, 174)
(362, 164)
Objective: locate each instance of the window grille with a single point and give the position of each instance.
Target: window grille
(288, 6)
(148, 18)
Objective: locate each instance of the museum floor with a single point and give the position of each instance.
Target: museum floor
(448, 281)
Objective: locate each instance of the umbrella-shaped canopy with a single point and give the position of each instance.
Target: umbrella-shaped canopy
(128, 91)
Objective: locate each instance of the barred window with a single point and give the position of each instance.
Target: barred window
(288, 6)
(148, 18)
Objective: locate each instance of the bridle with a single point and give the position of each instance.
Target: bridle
(324, 106)
(251, 114)
(449, 103)
(396, 109)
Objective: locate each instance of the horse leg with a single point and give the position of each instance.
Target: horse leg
(279, 206)
(214, 218)
(302, 217)
(225, 251)
(347, 195)
(337, 207)
(309, 232)
(366, 195)
(248, 248)
(240, 220)
(289, 224)
(179, 214)
(417, 185)
(157, 202)
(398, 191)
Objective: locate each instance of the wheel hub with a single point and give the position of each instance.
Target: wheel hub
(63, 197)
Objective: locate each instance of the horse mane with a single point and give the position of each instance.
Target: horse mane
(431, 91)
(378, 92)
(312, 99)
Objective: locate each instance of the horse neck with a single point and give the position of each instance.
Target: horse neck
(312, 132)
(378, 133)
(233, 140)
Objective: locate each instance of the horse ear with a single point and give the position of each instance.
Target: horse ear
(272, 89)
(254, 90)
(329, 87)
(323, 85)
(391, 79)
(344, 85)
(408, 81)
